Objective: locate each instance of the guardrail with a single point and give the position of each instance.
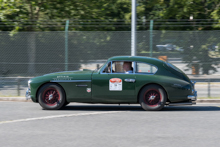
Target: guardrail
(208, 89)
(13, 86)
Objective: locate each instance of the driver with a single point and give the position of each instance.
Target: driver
(127, 67)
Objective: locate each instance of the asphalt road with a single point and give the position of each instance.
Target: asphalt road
(81, 125)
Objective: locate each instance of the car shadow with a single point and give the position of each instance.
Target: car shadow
(102, 108)
(191, 108)
(136, 108)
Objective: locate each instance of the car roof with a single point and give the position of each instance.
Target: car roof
(137, 58)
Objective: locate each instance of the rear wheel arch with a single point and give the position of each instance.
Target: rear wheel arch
(152, 84)
(37, 93)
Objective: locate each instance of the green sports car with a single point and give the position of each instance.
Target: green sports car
(122, 79)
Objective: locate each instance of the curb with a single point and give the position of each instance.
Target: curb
(20, 99)
(23, 99)
(208, 101)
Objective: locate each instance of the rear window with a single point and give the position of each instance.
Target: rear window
(145, 68)
(174, 67)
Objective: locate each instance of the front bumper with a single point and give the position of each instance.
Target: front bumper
(193, 97)
(27, 95)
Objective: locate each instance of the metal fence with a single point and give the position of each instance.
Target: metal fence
(36, 53)
(29, 54)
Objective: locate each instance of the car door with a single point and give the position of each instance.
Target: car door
(112, 85)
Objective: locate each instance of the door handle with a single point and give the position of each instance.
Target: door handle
(130, 80)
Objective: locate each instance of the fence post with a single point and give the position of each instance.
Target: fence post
(18, 87)
(151, 36)
(133, 28)
(66, 45)
(209, 88)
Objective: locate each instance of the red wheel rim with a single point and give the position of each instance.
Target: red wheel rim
(51, 96)
(152, 97)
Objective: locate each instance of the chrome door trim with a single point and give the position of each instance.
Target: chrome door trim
(81, 85)
(68, 81)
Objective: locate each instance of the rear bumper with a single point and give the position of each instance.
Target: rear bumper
(191, 101)
(193, 97)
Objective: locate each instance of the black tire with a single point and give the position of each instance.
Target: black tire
(152, 98)
(66, 103)
(51, 97)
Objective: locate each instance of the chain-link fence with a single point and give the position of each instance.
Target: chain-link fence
(37, 53)
(28, 54)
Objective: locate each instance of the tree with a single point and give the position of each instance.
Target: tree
(43, 15)
(25, 15)
(197, 44)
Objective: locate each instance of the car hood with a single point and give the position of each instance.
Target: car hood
(64, 76)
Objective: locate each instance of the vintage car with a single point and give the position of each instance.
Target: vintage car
(150, 82)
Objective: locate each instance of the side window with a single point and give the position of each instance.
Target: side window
(125, 67)
(117, 67)
(145, 68)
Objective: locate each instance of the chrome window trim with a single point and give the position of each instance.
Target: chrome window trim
(123, 73)
(111, 67)
(68, 81)
(134, 68)
(145, 73)
(81, 85)
(101, 72)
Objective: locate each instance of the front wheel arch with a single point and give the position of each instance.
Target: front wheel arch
(37, 92)
(152, 84)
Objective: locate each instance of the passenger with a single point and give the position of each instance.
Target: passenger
(127, 67)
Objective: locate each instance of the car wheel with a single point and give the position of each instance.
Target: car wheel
(51, 97)
(152, 98)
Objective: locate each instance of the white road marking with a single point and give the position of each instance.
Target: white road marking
(57, 116)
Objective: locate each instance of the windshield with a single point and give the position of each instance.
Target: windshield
(99, 67)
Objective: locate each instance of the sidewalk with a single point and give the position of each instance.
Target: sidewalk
(23, 99)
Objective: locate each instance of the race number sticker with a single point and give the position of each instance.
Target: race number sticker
(115, 84)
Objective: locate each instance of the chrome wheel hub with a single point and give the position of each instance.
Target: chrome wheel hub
(50, 96)
(152, 97)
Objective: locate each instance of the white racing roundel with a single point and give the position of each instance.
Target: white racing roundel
(115, 84)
